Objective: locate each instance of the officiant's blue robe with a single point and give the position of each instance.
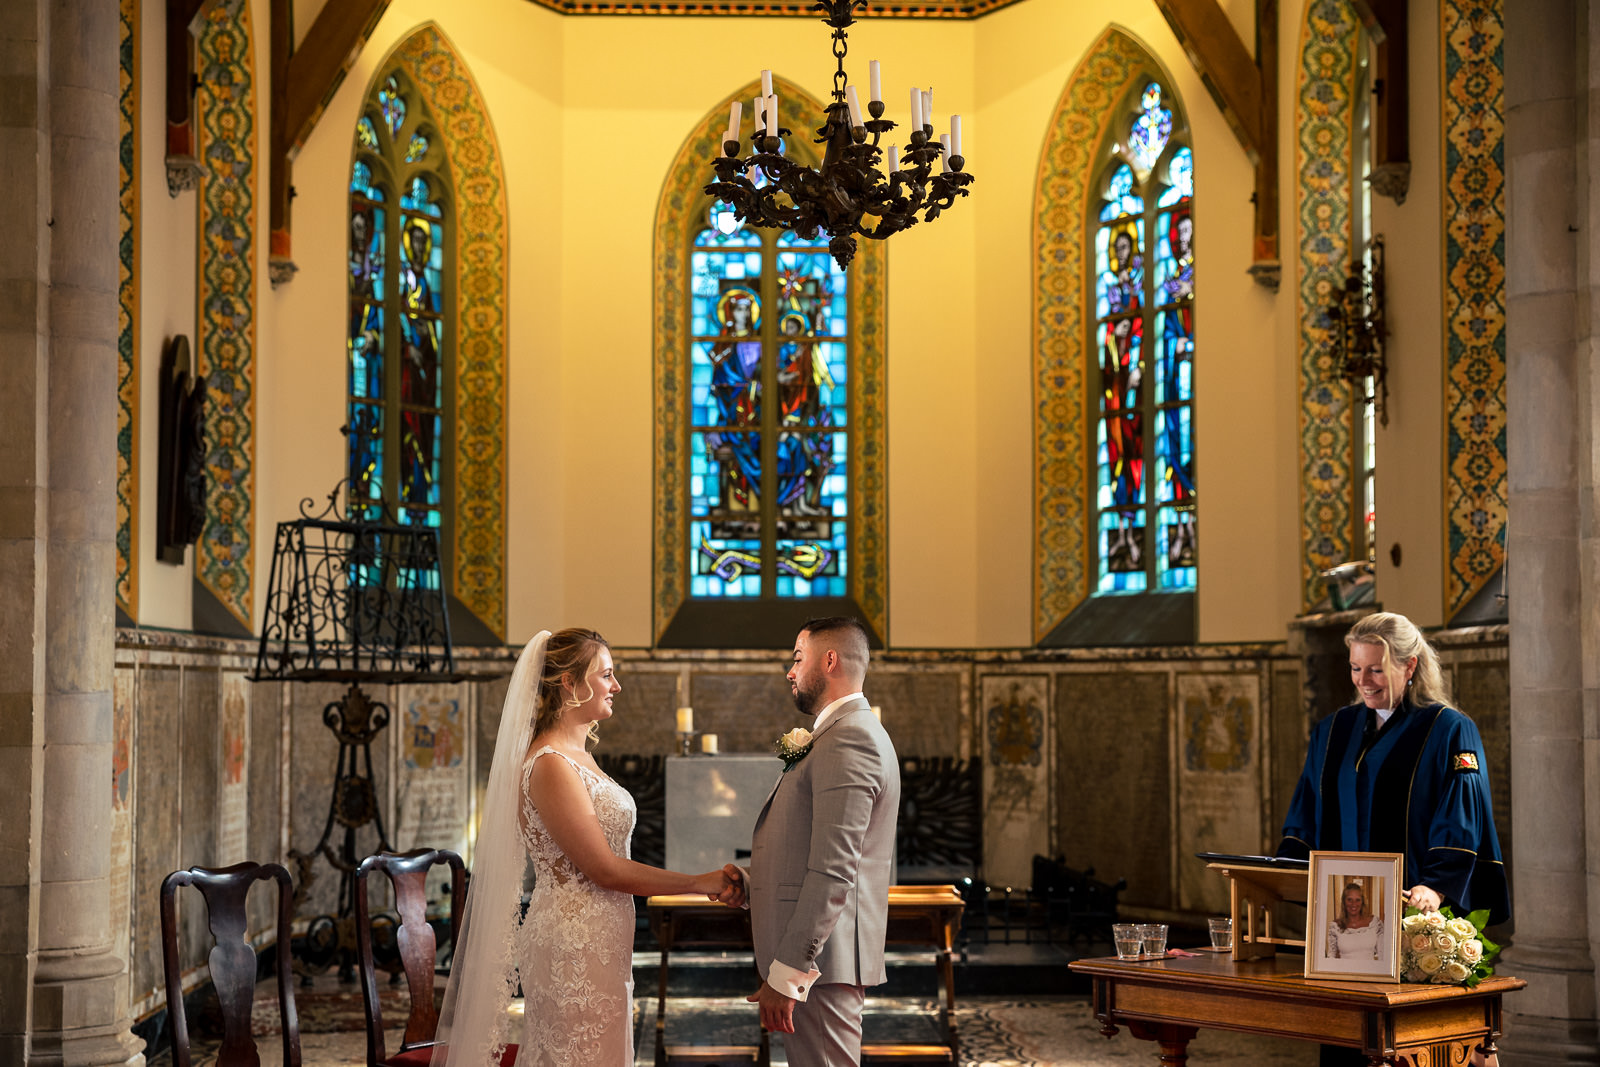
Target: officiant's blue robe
(1419, 786)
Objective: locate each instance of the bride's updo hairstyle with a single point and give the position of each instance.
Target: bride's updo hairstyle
(1400, 639)
(574, 653)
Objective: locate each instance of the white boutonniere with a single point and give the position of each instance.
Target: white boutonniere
(793, 746)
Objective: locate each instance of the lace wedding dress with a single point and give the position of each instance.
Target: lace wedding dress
(577, 947)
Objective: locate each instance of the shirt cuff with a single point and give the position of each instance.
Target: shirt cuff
(791, 983)
(744, 873)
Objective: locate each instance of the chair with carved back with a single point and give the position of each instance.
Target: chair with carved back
(417, 947)
(232, 961)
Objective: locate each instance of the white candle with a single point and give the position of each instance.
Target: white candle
(955, 135)
(875, 81)
(894, 158)
(853, 102)
(916, 108)
(686, 720)
(772, 115)
(758, 112)
(927, 107)
(735, 114)
(944, 157)
(766, 83)
(708, 744)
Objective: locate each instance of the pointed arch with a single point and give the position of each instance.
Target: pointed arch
(1099, 85)
(225, 326)
(681, 211)
(1324, 172)
(475, 541)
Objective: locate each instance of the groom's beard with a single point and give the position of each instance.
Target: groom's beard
(807, 696)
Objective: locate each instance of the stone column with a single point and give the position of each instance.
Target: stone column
(61, 568)
(1548, 251)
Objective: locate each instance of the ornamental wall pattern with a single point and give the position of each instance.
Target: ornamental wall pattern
(1061, 519)
(1476, 485)
(680, 213)
(478, 529)
(127, 535)
(1323, 167)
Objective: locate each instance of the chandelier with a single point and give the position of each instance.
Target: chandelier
(1356, 329)
(848, 195)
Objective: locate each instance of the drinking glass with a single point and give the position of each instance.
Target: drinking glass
(1154, 936)
(1221, 933)
(1129, 941)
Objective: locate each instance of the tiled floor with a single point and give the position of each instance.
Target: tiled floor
(995, 1032)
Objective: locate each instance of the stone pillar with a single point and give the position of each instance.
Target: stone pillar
(65, 989)
(1549, 248)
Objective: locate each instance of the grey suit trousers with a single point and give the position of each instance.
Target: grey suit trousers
(827, 1027)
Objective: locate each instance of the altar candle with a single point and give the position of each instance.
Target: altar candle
(772, 115)
(735, 114)
(853, 102)
(894, 158)
(766, 83)
(955, 135)
(875, 81)
(927, 107)
(686, 720)
(708, 744)
(758, 112)
(916, 108)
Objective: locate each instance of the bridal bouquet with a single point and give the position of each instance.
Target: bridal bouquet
(1438, 947)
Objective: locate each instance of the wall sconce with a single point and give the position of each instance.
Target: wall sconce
(1356, 330)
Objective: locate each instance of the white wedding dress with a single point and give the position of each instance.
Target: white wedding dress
(576, 952)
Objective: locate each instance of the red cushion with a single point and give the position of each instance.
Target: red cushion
(423, 1055)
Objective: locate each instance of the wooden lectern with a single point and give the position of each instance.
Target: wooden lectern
(1256, 891)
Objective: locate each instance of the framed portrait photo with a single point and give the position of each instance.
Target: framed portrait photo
(1353, 914)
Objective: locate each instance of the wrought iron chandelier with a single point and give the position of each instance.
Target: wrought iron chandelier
(1356, 328)
(848, 195)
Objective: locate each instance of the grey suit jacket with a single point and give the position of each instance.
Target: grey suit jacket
(822, 857)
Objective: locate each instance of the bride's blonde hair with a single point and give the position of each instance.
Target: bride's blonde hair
(572, 653)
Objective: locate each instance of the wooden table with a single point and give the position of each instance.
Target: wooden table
(919, 915)
(1167, 1000)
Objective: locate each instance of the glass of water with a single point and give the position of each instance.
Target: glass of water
(1154, 936)
(1221, 933)
(1129, 941)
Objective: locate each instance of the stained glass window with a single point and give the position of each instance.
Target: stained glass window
(769, 362)
(397, 342)
(1143, 290)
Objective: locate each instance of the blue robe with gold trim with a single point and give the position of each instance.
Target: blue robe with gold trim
(1418, 786)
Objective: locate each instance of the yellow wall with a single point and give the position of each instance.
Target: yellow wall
(589, 112)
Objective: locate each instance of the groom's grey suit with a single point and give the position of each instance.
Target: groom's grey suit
(821, 863)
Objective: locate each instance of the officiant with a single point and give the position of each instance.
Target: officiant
(1401, 771)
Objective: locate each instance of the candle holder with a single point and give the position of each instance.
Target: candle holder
(686, 741)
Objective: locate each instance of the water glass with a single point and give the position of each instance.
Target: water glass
(1154, 936)
(1221, 933)
(1129, 941)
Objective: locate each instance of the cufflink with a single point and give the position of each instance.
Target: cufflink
(799, 989)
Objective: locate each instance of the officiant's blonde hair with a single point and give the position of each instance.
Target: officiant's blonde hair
(1400, 639)
(573, 652)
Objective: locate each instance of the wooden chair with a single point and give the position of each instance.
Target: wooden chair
(418, 948)
(232, 960)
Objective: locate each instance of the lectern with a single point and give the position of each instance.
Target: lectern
(1259, 887)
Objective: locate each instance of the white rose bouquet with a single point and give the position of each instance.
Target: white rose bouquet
(1440, 948)
(793, 746)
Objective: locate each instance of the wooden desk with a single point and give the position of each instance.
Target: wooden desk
(1166, 1001)
(920, 915)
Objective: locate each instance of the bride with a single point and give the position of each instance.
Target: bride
(548, 801)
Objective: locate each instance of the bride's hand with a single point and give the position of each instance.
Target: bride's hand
(711, 884)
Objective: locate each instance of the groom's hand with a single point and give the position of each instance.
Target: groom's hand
(732, 886)
(777, 1010)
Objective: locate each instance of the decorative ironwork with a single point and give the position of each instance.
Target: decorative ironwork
(1356, 329)
(354, 596)
(941, 816)
(848, 196)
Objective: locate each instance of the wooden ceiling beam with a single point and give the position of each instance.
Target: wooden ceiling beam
(1385, 21)
(1245, 88)
(304, 80)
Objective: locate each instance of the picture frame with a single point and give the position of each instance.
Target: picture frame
(1353, 913)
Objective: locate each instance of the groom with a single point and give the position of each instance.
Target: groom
(822, 857)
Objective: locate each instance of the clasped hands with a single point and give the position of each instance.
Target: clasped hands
(725, 886)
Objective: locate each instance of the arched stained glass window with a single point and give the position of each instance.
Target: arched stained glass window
(769, 432)
(1143, 252)
(397, 337)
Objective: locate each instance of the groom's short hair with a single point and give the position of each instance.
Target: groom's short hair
(846, 636)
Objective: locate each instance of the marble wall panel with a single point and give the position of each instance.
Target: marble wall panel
(1016, 774)
(1113, 779)
(156, 845)
(233, 784)
(1482, 689)
(432, 778)
(314, 760)
(921, 710)
(199, 786)
(490, 697)
(265, 778)
(747, 711)
(642, 721)
(1219, 774)
(124, 698)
